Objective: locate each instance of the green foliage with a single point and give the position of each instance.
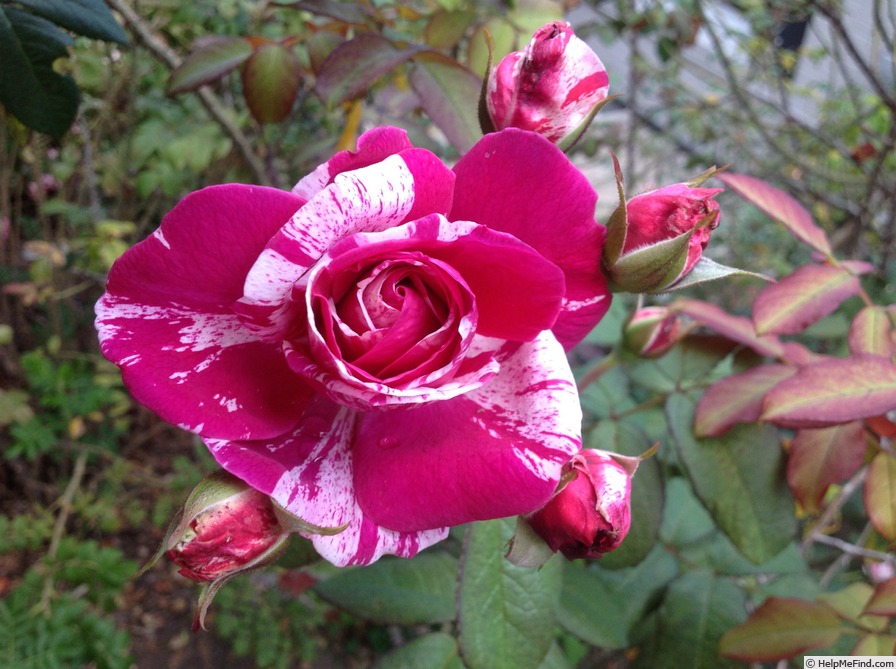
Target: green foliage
(30, 42)
(282, 631)
(26, 532)
(65, 632)
(72, 406)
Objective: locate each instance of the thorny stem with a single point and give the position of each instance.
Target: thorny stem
(209, 100)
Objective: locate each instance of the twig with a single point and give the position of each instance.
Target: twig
(209, 100)
(852, 549)
(65, 509)
(834, 506)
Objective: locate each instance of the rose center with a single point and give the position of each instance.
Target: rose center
(395, 319)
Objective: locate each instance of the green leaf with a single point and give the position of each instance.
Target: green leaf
(394, 590)
(781, 628)
(832, 391)
(709, 270)
(696, 612)
(271, 79)
(29, 87)
(355, 65)
(880, 494)
(739, 478)
(779, 206)
(437, 650)
(347, 12)
(91, 18)
(446, 28)
(602, 606)
(506, 613)
(446, 90)
(209, 63)
(802, 298)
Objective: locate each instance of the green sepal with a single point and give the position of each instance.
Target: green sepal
(485, 119)
(617, 224)
(575, 135)
(702, 178)
(292, 523)
(706, 270)
(526, 548)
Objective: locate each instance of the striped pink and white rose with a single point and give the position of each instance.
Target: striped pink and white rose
(382, 349)
(550, 87)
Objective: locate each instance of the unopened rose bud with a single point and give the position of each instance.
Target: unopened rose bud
(652, 331)
(666, 232)
(550, 87)
(591, 514)
(227, 528)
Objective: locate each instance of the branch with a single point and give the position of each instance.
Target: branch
(209, 100)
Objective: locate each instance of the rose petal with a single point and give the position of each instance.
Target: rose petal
(165, 318)
(494, 452)
(400, 188)
(518, 182)
(309, 473)
(373, 146)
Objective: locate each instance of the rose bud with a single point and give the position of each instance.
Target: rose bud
(652, 331)
(550, 87)
(590, 514)
(666, 231)
(227, 528)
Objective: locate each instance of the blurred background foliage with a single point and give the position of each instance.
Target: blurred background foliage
(164, 97)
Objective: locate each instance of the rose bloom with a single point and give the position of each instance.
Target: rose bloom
(669, 212)
(591, 514)
(380, 349)
(550, 87)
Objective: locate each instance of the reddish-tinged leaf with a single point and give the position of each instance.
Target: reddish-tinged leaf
(355, 65)
(736, 399)
(347, 12)
(781, 628)
(821, 457)
(872, 332)
(881, 426)
(833, 391)
(780, 206)
(797, 354)
(849, 602)
(802, 298)
(735, 328)
(271, 79)
(445, 89)
(209, 64)
(880, 494)
(883, 601)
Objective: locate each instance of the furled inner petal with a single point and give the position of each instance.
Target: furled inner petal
(397, 322)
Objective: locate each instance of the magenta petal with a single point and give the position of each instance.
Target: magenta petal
(494, 452)
(373, 198)
(518, 182)
(165, 318)
(309, 473)
(373, 146)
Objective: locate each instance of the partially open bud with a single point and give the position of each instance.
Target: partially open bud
(550, 87)
(590, 513)
(665, 232)
(227, 528)
(652, 331)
